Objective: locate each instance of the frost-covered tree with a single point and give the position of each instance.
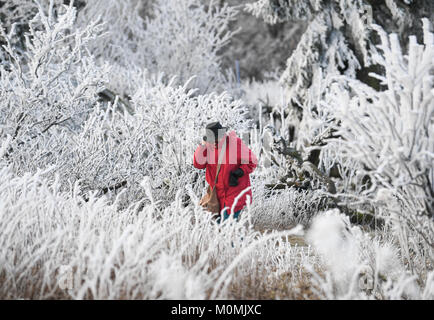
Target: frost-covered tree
(324, 46)
(177, 38)
(390, 134)
(339, 38)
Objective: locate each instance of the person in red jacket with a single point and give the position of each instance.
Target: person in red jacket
(233, 183)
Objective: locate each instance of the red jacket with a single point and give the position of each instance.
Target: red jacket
(237, 155)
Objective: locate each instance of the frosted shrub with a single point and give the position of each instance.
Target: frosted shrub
(102, 104)
(47, 92)
(98, 245)
(52, 115)
(261, 96)
(285, 208)
(20, 12)
(185, 38)
(116, 150)
(339, 39)
(171, 142)
(357, 265)
(68, 247)
(177, 38)
(390, 135)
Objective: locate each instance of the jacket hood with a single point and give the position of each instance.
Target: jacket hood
(232, 135)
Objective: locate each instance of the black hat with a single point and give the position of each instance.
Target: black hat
(214, 131)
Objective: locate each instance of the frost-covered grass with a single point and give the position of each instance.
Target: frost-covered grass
(286, 208)
(57, 245)
(136, 253)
